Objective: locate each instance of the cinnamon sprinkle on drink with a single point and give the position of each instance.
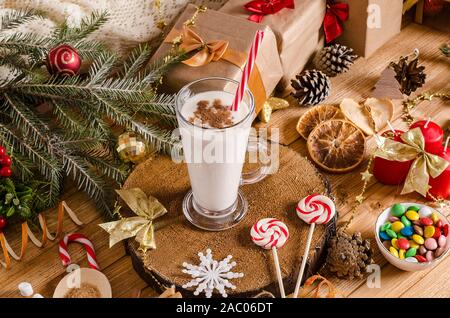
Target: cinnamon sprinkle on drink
(215, 116)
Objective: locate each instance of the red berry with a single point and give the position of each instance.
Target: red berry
(5, 161)
(3, 223)
(2, 151)
(5, 172)
(420, 258)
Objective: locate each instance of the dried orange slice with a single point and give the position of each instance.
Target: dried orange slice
(315, 116)
(336, 146)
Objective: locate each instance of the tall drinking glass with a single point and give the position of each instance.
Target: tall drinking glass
(215, 156)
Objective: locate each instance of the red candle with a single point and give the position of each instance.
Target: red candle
(440, 186)
(391, 172)
(433, 135)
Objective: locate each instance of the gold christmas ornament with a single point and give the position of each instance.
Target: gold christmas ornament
(131, 147)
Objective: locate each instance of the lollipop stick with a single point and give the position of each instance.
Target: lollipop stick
(277, 267)
(304, 259)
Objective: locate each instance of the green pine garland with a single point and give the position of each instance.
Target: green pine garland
(73, 136)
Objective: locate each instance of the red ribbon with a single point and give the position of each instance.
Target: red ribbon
(260, 8)
(335, 15)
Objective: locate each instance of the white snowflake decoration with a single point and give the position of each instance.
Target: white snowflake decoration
(210, 275)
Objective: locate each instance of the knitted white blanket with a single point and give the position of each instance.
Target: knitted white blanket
(130, 21)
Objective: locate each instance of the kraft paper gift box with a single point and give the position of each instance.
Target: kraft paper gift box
(298, 32)
(370, 24)
(212, 26)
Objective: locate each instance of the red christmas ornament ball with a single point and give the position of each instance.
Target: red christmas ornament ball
(440, 186)
(63, 60)
(433, 7)
(5, 172)
(5, 161)
(391, 172)
(3, 223)
(2, 151)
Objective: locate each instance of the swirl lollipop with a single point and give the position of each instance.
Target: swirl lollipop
(271, 234)
(314, 209)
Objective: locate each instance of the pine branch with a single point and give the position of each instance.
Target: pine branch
(23, 165)
(86, 180)
(157, 69)
(67, 117)
(48, 167)
(26, 121)
(101, 68)
(162, 107)
(89, 50)
(116, 172)
(88, 25)
(160, 140)
(33, 45)
(136, 61)
(14, 62)
(126, 90)
(15, 18)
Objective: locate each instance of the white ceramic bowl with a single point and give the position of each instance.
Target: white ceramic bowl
(402, 264)
(84, 275)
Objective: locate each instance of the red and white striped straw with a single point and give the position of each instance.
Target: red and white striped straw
(247, 69)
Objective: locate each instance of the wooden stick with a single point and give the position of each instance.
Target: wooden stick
(305, 257)
(277, 268)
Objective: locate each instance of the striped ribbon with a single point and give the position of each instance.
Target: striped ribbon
(78, 238)
(247, 69)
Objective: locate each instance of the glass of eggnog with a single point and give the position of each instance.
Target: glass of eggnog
(215, 140)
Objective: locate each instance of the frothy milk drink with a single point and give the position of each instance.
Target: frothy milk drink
(214, 148)
(214, 142)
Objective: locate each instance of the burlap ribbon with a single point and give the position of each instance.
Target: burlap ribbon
(424, 165)
(141, 226)
(214, 51)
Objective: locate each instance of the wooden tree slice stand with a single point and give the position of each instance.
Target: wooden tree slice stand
(178, 241)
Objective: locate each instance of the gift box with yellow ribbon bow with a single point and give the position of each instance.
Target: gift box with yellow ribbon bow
(424, 166)
(217, 45)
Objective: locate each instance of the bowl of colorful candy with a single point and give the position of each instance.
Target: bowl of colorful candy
(412, 236)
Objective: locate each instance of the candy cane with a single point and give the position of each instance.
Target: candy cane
(247, 69)
(79, 238)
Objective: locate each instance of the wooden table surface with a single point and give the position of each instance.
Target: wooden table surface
(42, 267)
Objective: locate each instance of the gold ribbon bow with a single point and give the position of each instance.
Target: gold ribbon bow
(424, 165)
(147, 210)
(206, 52)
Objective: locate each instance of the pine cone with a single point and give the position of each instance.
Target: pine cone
(348, 256)
(408, 75)
(311, 87)
(334, 59)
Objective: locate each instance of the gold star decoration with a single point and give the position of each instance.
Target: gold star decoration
(366, 175)
(359, 199)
